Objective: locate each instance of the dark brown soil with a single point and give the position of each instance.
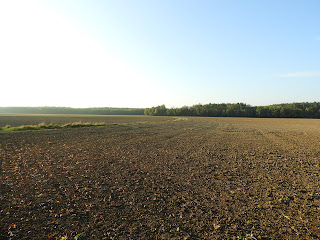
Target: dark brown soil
(203, 178)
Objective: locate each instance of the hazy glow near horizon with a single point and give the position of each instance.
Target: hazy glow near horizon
(141, 54)
(48, 61)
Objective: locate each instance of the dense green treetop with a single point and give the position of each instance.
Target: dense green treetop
(288, 110)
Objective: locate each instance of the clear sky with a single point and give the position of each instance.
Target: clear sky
(142, 53)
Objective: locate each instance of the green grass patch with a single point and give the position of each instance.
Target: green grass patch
(43, 126)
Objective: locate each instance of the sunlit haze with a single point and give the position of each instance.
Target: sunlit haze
(146, 53)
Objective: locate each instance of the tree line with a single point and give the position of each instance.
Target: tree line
(68, 110)
(288, 110)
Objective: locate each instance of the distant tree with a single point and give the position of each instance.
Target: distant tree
(297, 110)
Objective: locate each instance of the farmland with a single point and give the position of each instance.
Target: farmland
(196, 178)
(34, 119)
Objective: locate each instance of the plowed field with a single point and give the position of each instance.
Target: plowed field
(200, 178)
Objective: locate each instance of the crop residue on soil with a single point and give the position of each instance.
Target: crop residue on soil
(204, 178)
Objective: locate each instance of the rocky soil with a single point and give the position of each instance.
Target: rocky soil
(201, 178)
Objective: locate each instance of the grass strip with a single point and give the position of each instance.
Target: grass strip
(43, 126)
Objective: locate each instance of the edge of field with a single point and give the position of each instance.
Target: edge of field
(52, 126)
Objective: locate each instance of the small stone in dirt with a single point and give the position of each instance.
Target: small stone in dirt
(80, 236)
(216, 226)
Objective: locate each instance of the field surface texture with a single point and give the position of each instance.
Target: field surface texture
(198, 178)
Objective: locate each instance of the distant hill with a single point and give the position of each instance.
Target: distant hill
(67, 110)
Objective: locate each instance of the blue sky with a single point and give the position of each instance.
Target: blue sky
(144, 53)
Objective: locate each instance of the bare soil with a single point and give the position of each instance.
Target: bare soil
(202, 178)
